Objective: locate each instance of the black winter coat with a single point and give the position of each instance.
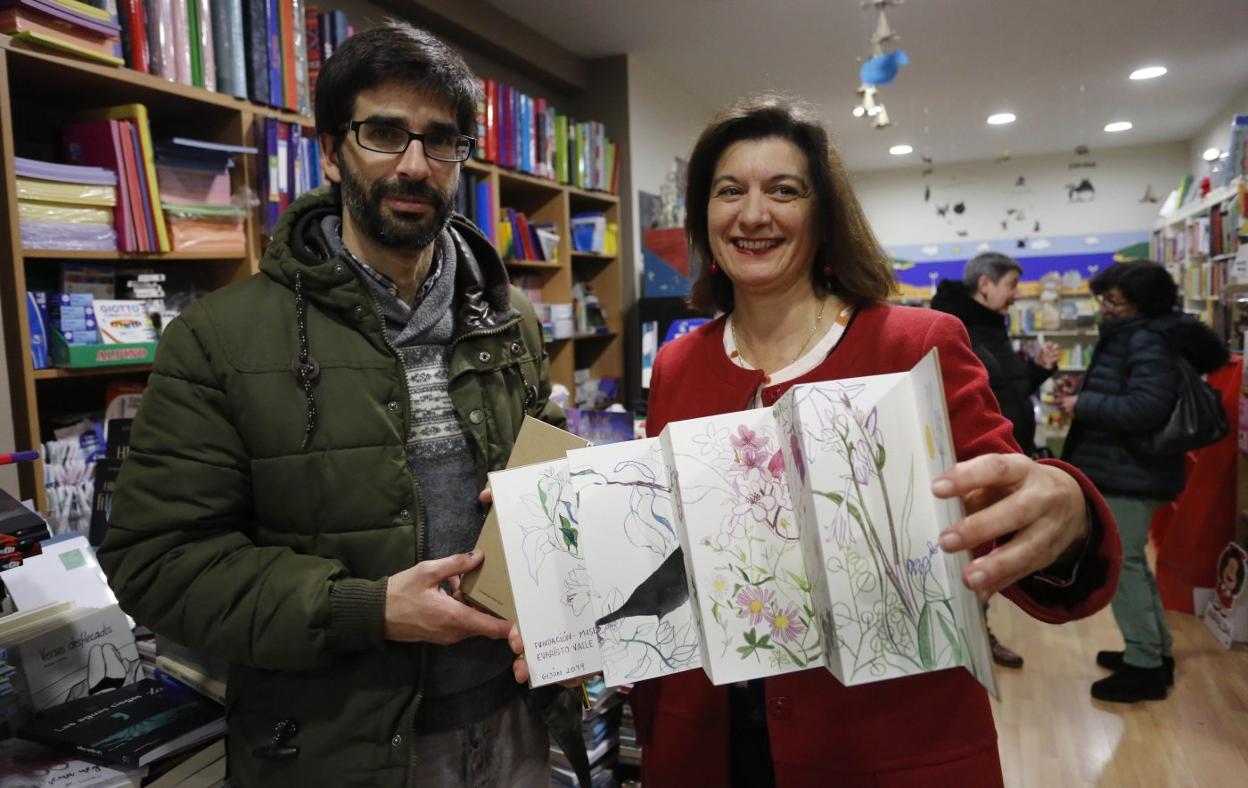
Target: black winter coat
(1012, 378)
(1130, 387)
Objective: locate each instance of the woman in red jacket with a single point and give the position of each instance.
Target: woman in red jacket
(788, 258)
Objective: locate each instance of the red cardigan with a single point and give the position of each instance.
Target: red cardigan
(934, 729)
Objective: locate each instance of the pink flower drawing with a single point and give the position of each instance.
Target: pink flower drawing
(776, 465)
(785, 625)
(753, 601)
(746, 438)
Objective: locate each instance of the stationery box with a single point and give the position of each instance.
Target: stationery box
(124, 322)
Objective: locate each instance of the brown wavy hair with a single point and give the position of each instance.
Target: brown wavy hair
(862, 273)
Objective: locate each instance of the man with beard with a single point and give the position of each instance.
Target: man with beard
(301, 494)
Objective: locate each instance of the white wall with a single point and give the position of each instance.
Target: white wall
(1216, 133)
(664, 121)
(893, 199)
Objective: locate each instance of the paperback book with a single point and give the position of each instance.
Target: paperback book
(131, 726)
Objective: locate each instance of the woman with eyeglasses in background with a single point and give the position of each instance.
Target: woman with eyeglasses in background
(1130, 388)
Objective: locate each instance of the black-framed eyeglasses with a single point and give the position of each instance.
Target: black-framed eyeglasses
(386, 138)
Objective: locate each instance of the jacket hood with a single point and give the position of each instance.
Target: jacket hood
(1185, 335)
(951, 297)
(1193, 340)
(299, 247)
(299, 257)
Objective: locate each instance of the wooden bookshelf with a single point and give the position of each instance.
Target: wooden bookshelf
(543, 200)
(40, 92)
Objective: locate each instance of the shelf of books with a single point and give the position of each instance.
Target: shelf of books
(1199, 242)
(561, 247)
(126, 195)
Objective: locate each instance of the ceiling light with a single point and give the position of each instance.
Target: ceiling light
(1211, 154)
(1148, 72)
(1001, 118)
(901, 150)
(859, 111)
(1118, 125)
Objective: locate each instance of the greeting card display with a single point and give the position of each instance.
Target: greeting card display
(541, 535)
(741, 546)
(645, 622)
(861, 457)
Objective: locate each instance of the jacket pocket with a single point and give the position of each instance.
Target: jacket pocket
(292, 726)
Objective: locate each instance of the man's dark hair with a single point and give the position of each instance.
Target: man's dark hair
(861, 273)
(393, 52)
(1144, 283)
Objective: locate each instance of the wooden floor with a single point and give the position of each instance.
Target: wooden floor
(1053, 734)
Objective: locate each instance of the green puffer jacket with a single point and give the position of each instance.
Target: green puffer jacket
(230, 535)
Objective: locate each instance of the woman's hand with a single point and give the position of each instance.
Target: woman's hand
(1038, 508)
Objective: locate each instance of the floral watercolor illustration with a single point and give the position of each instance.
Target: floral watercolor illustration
(553, 592)
(645, 623)
(743, 546)
(865, 452)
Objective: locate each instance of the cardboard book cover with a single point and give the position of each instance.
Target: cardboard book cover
(541, 534)
(489, 586)
(860, 456)
(87, 651)
(741, 545)
(644, 619)
(130, 726)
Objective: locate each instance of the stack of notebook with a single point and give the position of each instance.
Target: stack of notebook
(62, 206)
(118, 139)
(68, 27)
(195, 194)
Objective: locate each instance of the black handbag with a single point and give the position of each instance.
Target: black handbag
(1198, 419)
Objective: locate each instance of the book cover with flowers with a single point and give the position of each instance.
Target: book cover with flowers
(861, 455)
(541, 534)
(741, 546)
(645, 621)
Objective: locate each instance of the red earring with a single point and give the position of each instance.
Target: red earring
(714, 267)
(827, 271)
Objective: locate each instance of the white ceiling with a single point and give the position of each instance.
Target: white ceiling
(1060, 65)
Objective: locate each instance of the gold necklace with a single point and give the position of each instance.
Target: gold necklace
(815, 327)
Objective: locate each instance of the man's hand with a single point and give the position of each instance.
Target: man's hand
(1067, 403)
(417, 609)
(1041, 507)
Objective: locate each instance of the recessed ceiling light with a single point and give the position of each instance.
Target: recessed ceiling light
(1211, 154)
(1001, 118)
(901, 150)
(1118, 125)
(1148, 72)
(859, 111)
